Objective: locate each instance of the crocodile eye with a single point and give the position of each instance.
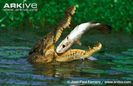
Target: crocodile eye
(63, 46)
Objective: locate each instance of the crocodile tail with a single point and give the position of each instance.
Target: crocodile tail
(65, 23)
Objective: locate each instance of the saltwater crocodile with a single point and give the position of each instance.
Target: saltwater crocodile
(44, 51)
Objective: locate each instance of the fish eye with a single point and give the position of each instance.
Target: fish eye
(63, 46)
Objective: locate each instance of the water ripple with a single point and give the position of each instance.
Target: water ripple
(15, 69)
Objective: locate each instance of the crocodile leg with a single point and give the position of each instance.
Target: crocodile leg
(76, 54)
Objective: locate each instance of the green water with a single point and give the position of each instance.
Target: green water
(113, 64)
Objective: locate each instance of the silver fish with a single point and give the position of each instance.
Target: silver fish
(75, 36)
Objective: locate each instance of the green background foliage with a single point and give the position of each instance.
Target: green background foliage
(117, 13)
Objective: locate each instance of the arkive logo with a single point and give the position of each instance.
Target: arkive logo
(20, 7)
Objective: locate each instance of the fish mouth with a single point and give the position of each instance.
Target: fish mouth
(60, 51)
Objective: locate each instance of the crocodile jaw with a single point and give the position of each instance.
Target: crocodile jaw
(97, 47)
(79, 54)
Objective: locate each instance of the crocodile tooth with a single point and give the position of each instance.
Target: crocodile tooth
(89, 47)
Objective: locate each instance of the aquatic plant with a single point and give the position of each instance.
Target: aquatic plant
(117, 13)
